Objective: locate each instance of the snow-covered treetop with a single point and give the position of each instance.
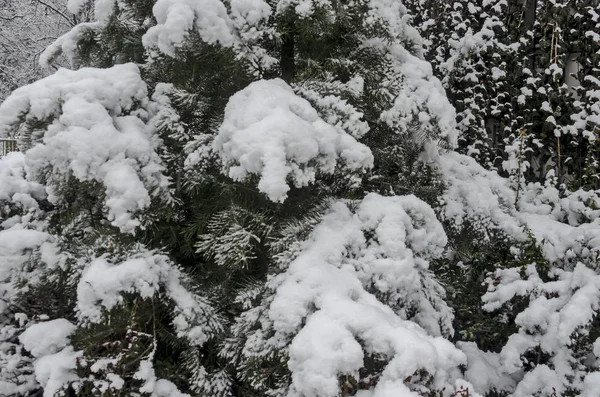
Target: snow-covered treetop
(253, 29)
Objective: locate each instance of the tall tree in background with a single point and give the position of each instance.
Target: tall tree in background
(27, 27)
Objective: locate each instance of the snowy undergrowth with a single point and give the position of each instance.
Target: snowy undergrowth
(90, 125)
(563, 301)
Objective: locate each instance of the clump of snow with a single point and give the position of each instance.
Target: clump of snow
(336, 110)
(55, 371)
(573, 208)
(394, 17)
(14, 187)
(558, 309)
(16, 246)
(561, 242)
(475, 195)
(145, 273)
(95, 133)
(419, 96)
(484, 369)
(271, 132)
(176, 18)
(74, 6)
(47, 338)
(55, 361)
(241, 27)
(323, 310)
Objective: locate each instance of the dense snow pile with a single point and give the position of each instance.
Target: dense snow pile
(420, 98)
(55, 360)
(146, 273)
(97, 129)
(67, 44)
(340, 300)
(476, 196)
(557, 315)
(270, 131)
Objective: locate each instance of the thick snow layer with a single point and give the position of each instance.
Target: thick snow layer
(240, 27)
(563, 242)
(176, 18)
(475, 195)
(16, 246)
(102, 284)
(67, 44)
(94, 134)
(47, 338)
(14, 187)
(484, 370)
(337, 111)
(74, 6)
(55, 361)
(271, 132)
(55, 371)
(322, 304)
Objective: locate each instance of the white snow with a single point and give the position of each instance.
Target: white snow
(55, 360)
(102, 283)
(557, 310)
(55, 371)
(14, 187)
(322, 305)
(477, 195)
(43, 339)
(74, 6)
(176, 18)
(94, 134)
(271, 132)
(419, 95)
(67, 44)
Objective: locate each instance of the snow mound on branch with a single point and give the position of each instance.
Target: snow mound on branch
(322, 302)
(477, 196)
(95, 132)
(176, 18)
(418, 96)
(67, 44)
(241, 27)
(74, 6)
(116, 89)
(562, 242)
(55, 361)
(271, 132)
(55, 371)
(145, 273)
(47, 338)
(16, 247)
(14, 187)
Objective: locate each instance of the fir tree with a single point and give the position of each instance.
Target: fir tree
(263, 198)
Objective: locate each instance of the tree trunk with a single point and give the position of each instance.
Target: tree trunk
(287, 61)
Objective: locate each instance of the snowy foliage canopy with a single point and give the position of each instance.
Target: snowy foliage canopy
(305, 199)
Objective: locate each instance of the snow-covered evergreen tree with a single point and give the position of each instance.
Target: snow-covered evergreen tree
(277, 198)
